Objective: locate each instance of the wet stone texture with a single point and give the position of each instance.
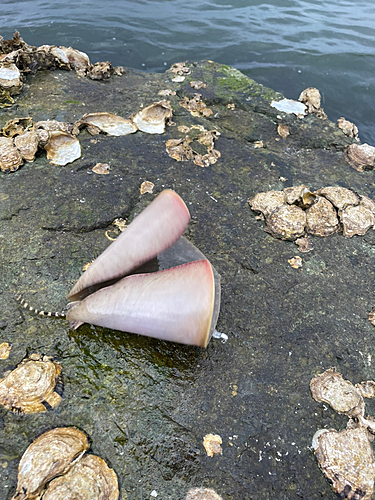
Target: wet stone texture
(147, 404)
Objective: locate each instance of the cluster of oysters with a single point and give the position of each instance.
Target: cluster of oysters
(21, 138)
(56, 467)
(346, 457)
(296, 210)
(17, 58)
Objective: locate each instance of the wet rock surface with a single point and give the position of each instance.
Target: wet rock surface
(145, 403)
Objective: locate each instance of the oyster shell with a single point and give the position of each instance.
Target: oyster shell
(367, 203)
(300, 195)
(90, 478)
(347, 127)
(267, 202)
(48, 456)
(212, 444)
(27, 144)
(286, 222)
(146, 187)
(322, 218)
(10, 157)
(17, 126)
(72, 58)
(283, 130)
(179, 149)
(295, 262)
(10, 78)
(340, 197)
(360, 156)
(331, 388)
(105, 122)
(101, 168)
(202, 494)
(180, 69)
(152, 119)
(346, 458)
(30, 388)
(62, 148)
(5, 350)
(196, 106)
(311, 97)
(197, 85)
(52, 125)
(102, 71)
(304, 244)
(356, 220)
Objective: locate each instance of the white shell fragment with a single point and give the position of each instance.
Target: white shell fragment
(105, 122)
(101, 168)
(10, 78)
(347, 460)
(30, 388)
(212, 444)
(202, 494)
(62, 148)
(90, 479)
(48, 456)
(152, 119)
(289, 106)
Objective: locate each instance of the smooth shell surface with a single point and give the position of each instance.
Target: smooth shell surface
(90, 478)
(356, 220)
(322, 218)
(152, 119)
(106, 122)
(48, 456)
(176, 304)
(331, 388)
(290, 106)
(30, 385)
(347, 460)
(287, 222)
(62, 148)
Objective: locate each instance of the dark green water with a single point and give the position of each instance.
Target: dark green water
(285, 44)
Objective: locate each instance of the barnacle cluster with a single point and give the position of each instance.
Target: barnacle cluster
(346, 457)
(197, 145)
(56, 466)
(296, 211)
